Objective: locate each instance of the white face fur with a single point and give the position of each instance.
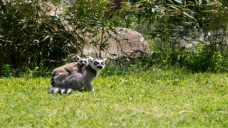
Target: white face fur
(82, 61)
(97, 63)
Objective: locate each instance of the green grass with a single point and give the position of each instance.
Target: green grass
(170, 98)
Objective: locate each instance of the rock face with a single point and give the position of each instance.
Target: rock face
(126, 43)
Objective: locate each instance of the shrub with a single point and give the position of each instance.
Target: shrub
(30, 37)
(164, 20)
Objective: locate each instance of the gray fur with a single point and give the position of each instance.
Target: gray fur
(74, 81)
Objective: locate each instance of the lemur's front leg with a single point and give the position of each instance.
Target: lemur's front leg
(88, 86)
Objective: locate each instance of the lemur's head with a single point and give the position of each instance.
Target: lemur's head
(82, 61)
(97, 63)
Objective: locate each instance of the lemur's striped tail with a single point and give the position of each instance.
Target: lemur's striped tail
(58, 90)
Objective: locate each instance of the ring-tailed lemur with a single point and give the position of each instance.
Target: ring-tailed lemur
(78, 81)
(60, 73)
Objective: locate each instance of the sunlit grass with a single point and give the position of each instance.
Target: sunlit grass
(171, 98)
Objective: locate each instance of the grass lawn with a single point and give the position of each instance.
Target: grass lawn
(170, 98)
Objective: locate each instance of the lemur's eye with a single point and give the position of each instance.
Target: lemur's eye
(85, 61)
(95, 63)
(81, 61)
(102, 63)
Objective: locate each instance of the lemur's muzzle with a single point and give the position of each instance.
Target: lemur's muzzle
(100, 67)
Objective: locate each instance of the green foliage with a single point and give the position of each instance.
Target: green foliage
(157, 98)
(30, 36)
(129, 66)
(89, 20)
(165, 20)
(6, 70)
(199, 60)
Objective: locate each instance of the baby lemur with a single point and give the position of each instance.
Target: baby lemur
(79, 80)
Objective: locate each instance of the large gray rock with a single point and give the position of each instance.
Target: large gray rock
(125, 43)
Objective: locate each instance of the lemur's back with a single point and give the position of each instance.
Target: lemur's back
(70, 66)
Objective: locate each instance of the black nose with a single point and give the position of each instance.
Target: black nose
(100, 67)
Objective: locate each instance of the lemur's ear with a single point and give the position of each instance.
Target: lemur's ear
(90, 59)
(78, 57)
(104, 59)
